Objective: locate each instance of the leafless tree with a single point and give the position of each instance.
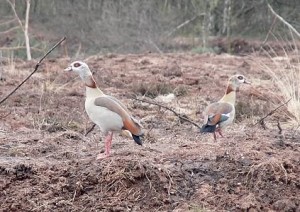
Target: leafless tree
(25, 26)
(130, 26)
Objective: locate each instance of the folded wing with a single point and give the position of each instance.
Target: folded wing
(112, 104)
(214, 114)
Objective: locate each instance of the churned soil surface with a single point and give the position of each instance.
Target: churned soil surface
(48, 164)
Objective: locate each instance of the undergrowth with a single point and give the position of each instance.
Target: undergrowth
(285, 73)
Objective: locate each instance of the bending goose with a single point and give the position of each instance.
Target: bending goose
(105, 111)
(220, 114)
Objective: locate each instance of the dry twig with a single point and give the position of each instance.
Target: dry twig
(90, 130)
(35, 69)
(262, 120)
(279, 127)
(162, 106)
(170, 109)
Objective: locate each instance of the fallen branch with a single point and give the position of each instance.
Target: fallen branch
(261, 121)
(35, 69)
(170, 109)
(284, 21)
(157, 104)
(90, 130)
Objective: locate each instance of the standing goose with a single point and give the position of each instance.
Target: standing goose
(221, 114)
(105, 111)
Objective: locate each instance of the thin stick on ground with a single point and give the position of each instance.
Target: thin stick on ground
(170, 109)
(90, 130)
(157, 104)
(35, 69)
(261, 121)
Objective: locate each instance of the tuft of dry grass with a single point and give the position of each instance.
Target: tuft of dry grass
(152, 90)
(197, 208)
(285, 73)
(273, 166)
(250, 108)
(9, 63)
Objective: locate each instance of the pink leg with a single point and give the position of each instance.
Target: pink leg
(108, 143)
(215, 136)
(220, 132)
(108, 140)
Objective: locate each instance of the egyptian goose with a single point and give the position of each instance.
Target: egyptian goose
(105, 111)
(220, 114)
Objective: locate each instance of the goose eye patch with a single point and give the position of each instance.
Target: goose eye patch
(240, 77)
(76, 64)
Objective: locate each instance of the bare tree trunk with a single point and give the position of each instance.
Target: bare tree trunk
(226, 17)
(227, 22)
(24, 29)
(204, 32)
(90, 5)
(28, 52)
(205, 24)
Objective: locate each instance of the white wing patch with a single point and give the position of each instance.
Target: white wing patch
(226, 114)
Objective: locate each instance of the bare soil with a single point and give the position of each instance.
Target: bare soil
(47, 164)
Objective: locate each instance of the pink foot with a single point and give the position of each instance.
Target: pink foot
(102, 156)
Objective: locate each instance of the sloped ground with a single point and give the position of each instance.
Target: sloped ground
(47, 164)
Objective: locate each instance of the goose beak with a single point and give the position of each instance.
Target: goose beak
(68, 69)
(247, 82)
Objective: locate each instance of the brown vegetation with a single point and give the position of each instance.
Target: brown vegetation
(47, 164)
